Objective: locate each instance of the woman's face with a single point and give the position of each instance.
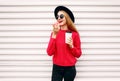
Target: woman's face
(61, 18)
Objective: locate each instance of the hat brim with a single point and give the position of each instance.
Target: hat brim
(69, 12)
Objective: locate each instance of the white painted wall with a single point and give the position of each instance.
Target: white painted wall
(25, 27)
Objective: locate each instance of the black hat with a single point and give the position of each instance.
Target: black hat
(68, 11)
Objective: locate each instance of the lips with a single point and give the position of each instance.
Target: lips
(60, 21)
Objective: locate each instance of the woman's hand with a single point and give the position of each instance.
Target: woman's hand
(56, 28)
(70, 42)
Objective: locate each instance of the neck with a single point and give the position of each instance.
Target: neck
(64, 27)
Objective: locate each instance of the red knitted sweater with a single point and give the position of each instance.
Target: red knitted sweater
(63, 55)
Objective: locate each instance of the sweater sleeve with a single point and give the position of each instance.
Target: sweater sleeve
(51, 46)
(76, 50)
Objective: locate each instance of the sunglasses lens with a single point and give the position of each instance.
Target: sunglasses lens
(61, 16)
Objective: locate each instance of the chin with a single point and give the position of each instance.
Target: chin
(61, 24)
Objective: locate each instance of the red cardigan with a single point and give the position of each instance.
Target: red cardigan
(63, 55)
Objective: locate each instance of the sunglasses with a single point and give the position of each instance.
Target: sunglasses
(61, 16)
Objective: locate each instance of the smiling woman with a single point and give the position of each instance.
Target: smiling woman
(64, 52)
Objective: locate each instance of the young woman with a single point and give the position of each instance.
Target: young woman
(65, 51)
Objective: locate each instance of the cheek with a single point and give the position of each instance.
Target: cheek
(64, 22)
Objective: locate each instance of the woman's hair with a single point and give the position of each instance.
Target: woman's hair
(70, 23)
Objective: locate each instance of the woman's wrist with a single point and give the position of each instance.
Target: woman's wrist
(53, 35)
(71, 46)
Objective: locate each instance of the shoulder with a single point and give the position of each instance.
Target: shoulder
(75, 33)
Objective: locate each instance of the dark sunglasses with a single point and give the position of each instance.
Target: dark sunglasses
(61, 16)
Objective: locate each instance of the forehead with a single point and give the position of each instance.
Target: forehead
(60, 12)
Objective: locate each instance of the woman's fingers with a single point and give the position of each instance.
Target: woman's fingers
(70, 42)
(56, 27)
